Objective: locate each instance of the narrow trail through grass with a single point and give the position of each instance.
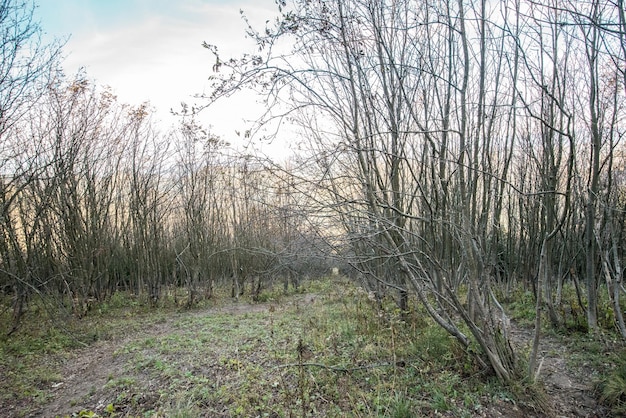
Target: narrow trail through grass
(125, 366)
(569, 389)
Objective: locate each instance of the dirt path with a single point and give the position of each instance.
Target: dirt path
(84, 372)
(569, 389)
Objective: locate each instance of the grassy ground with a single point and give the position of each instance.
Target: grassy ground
(325, 350)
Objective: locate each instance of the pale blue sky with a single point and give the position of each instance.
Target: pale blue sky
(150, 50)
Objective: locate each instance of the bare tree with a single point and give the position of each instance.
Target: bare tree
(26, 67)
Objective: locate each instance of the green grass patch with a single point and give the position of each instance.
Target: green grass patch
(612, 389)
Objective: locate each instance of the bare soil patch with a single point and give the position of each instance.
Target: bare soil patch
(569, 388)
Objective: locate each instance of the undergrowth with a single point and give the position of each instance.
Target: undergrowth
(323, 350)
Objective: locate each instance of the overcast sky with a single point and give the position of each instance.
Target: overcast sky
(150, 50)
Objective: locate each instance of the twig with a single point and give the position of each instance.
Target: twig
(342, 369)
(536, 375)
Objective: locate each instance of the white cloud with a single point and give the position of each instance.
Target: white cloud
(159, 57)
